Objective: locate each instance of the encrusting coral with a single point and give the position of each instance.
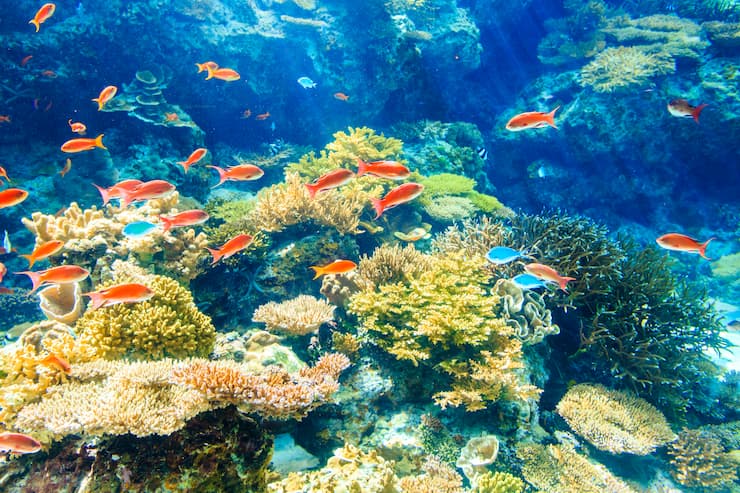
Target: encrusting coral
(698, 460)
(614, 421)
(296, 317)
(167, 325)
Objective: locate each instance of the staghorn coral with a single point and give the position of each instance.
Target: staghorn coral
(525, 311)
(698, 460)
(288, 203)
(167, 325)
(389, 264)
(622, 67)
(614, 421)
(560, 469)
(441, 309)
(498, 482)
(296, 317)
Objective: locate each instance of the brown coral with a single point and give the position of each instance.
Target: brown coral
(299, 316)
(698, 460)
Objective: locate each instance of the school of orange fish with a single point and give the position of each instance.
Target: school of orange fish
(131, 191)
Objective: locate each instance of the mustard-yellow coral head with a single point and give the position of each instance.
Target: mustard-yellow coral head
(167, 325)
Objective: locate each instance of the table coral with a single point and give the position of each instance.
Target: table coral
(296, 317)
(168, 325)
(621, 67)
(614, 421)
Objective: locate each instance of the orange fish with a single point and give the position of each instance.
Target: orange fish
(154, 189)
(532, 119)
(234, 245)
(683, 243)
(194, 157)
(114, 192)
(43, 14)
(18, 443)
(77, 127)
(53, 360)
(3, 271)
(392, 170)
(12, 196)
(241, 172)
(247, 113)
(43, 251)
(226, 74)
(336, 267)
(203, 67)
(4, 118)
(399, 195)
(64, 274)
(67, 167)
(122, 293)
(332, 179)
(4, 174)
(683, 109)
(546, 273)
(171, 117)
(260, 117)
(80, 145)
(25, 60)
(106, 95)
(341, 96)
(49, 74)
(4, 290)
(186, 218)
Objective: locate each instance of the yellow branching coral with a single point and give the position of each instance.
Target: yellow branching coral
(698, 460)
(286, 204)
(389, 264)
(498, 482)
(614, 421)
(438, 477)
(273, 393)
(560, 469)
(167, 325)
(299, 316)
(617, 68)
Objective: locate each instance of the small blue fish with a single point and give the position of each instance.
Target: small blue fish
(503, 255)
(732, 319)
(6, 243)
(306, 83)
(139, 229)
(528, 281)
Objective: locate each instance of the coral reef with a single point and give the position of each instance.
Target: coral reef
(449, 198)
(61, 302)
(17, 308)
(525, 311)
(698, 460)
(167, 325)
(498, 482)
(622, 67)
(438, 477)
(560, 469)
(477, 454)
(614, 421)
(296, 317)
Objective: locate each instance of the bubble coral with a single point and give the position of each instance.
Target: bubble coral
(296, 317)
(614, 421)
(167, 325)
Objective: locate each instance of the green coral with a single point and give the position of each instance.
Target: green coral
(449, 197)
(498, 482)
(167, 325)
(622, 67)
(445, 319)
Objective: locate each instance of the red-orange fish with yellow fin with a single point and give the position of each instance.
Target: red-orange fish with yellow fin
(43, 15)
(532, 119)
(231, 247)
(682, 243)
(64, 274)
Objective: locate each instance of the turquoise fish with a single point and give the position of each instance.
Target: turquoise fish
(503, 255)
(528, 281)
(306, 83)
(139, 229)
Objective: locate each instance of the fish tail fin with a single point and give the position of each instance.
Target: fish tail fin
(378, 206)
(166, 223)
(550, 118)
(36, 24)
(35, 279)
(126, 198)
(361, 167)
(200, 66)
(703, 248)
(99, 141)
(312, 189)
(103, 193)
(31, 259)
(697, 110)
(318, 271)
(184, 165)
(216, 254)
(221, 175)
(563, 282)
(210, 73)
(100, 104)
(96, 300)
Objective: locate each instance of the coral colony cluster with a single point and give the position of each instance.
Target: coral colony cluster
(411, 358)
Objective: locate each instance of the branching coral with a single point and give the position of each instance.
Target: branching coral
(560, 469)
(621, 67)
(498, 482)
(614, 421)
(447, 308)
(698, 460)
(296, 317)
(167, 325)
(438, 477)
(389, 264)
